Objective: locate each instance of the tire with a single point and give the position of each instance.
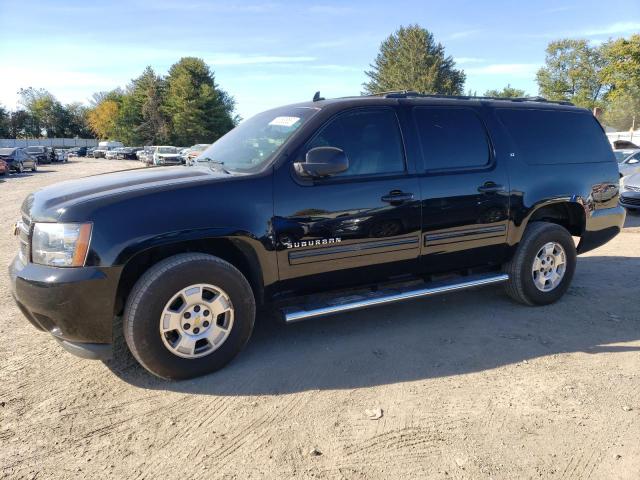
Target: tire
(521, 285)
(20, 168)
(150, 298)
(35, 167)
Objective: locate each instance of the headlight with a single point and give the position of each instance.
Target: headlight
(60, 244)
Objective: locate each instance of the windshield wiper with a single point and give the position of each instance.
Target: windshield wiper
(215, 165)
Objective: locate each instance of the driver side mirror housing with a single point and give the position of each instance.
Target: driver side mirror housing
(322, 162)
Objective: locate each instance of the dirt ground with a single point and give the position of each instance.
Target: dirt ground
(470, 385)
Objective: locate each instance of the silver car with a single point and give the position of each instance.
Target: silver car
(630, 164)
(630, 192)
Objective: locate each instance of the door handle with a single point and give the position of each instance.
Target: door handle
(396, 197)
(490, 187)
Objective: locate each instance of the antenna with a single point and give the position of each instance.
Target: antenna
(317, 97)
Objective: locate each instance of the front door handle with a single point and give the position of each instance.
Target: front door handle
(397, 197)
(490, 187)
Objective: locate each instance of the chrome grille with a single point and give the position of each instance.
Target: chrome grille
(24, 236)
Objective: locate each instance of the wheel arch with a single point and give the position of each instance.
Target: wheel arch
(568, 214)
(234, 250)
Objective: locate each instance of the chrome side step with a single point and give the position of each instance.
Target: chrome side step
(347, 304)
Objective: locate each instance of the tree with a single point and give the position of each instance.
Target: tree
(506, 92)
(621, 72)
(199, 111)
(103, 119)
(5, 122)
(410, 59)
(572, 72)
(154, 127)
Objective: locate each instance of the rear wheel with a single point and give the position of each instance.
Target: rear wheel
(542, 267)
(188, 315)
(34, 168)
(20, 167)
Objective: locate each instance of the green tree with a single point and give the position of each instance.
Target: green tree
(506, 92)
(154, 127)
(572, 72)
(410, 59)
(5, 122)
(621, 73)
(198, 109)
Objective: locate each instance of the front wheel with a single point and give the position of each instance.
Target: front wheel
(543, 265)
(188, 315)
(34, 168)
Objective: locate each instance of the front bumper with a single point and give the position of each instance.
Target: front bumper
(602, 225)
(75, 305)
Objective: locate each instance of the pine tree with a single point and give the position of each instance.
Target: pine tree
(410, 59)
(198, 110)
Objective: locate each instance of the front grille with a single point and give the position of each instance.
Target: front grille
(630, 200)
(24, 236)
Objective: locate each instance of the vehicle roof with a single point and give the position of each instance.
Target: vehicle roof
(391, 98)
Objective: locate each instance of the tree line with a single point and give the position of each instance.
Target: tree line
(605, 76)
(187, 106)
(182, 108)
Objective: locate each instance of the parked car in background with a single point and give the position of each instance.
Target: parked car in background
(40, 153)
(4, 168)
(166, 155)
(193, 152)
(630, 192)
(18, 160)
(61, 155)
(622, 154)
(77, 152)
(112, 154)
(103, 147)
(90, 152)
(127, 153)
(630, 164)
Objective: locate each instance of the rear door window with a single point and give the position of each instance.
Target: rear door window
(451, 138)
(546, 137)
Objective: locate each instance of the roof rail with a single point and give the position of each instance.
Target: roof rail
(413, 94)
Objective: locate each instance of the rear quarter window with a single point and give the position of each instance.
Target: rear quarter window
(547, 137)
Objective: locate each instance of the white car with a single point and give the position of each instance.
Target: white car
(630, 164)
(166, 155)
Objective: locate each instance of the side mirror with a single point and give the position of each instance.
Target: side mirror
(322, 162)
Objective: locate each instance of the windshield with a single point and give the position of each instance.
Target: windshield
(167, 150)
(34, 149)
(250, 145)
(621, 155)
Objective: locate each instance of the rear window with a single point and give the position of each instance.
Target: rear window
(545, 137)
(451, 138)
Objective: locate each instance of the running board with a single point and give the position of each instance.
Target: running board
(347, 304)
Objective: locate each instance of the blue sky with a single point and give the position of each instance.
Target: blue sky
(271, 53)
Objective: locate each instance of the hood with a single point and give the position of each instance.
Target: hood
(49, 203)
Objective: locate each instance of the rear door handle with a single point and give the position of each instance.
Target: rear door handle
(490, 187)
(396, 197)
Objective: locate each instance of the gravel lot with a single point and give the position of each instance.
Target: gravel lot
(470, 385)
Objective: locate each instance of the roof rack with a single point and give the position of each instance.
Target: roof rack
(413, 94)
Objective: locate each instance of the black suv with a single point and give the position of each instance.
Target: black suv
(42, 154)
(369, 200)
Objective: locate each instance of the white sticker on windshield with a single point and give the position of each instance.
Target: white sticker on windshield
(284, 121)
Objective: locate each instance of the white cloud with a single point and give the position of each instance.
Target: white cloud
(512, 69)
(618, 27)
